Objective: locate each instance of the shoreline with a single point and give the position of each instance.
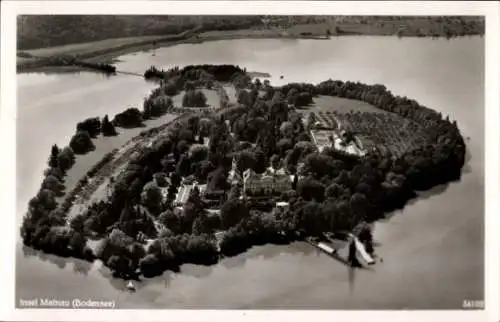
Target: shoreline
(108, 55)
(80, 196)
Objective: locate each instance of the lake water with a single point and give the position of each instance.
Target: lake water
(433, 250)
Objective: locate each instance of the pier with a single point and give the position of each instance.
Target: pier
(357, 251)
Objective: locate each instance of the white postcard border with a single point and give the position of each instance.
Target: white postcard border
(10, 229)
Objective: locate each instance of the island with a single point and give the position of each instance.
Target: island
(241, 163)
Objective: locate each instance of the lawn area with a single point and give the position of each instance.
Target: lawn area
(177, 99)
(212, 97)
(231, 92)
(342, 105)
(90, 47)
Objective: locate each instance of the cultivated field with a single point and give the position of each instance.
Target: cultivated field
(374, 127)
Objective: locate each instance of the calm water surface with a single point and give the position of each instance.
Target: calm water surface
(433, 249)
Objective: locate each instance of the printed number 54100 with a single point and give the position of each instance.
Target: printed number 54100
(469, 304)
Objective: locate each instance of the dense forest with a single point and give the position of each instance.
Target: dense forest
(37, 31)
(331, 190)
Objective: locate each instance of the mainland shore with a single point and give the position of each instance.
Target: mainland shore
(106, 51)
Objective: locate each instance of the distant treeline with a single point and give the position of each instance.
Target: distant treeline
(221, 73)
(65, 60)
(404, 26)
(38, 31)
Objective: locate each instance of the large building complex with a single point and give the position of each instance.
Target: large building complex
(269, 182)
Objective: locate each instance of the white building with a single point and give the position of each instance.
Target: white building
(271, 181)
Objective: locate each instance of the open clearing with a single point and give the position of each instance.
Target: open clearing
(231, 93)
(324, 103)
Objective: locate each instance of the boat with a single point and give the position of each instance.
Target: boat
(361, 251)
(130, 286)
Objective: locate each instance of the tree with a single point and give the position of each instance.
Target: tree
(295, 181)
(92, 224)
(189, 86)
(156, 106)
(217, 180)
(291, 95)
(175, 179)
(81, 143)
(129, 118)
(184, 166)
(246, 159)
(77, 242)
(170, 89)
(119, 265)
(171, 220)
(284, 145)
(78, 223)
(260, 161)
(245, 98)
(334, 191)
(66, 158)
(135, 189)
(53, 184)
(136, 252)
(275, 161)
(257, 83)
(107, 128)
(91, 125)
(359, 206)
(232, 212)
(161, 179)
(47, 199)
(286, 129)
(366, 237)
(53, 160)
(198, 152)
(194, 98)
(205, 126)
(302, 99)
(318, 164)
(309, 189)
(151, 197)
(55, 172)
(150, 265)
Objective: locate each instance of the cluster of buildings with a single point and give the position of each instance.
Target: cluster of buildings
(338, 138)
(272, 181)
